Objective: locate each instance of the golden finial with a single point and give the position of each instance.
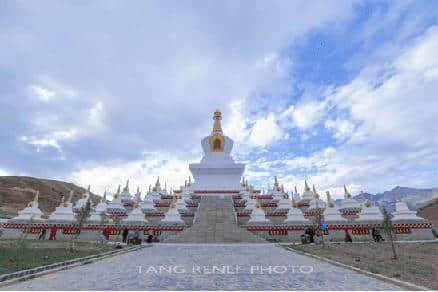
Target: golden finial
(315, 192)
(217, 127)
(70, 197)
(37, 195)
(330, 202)
(294, 203)
(35, 199)
(347, 194)
(306, 187)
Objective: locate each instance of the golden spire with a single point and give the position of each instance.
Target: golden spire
(294, 203)
(70, 197)
(398, 197)
(330, 202)
(347, 194)
(37, 195)
(315, 192)
(217, 127)
(306, 187)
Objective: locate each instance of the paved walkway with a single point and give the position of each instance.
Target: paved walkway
(192, 267)
(215, 223)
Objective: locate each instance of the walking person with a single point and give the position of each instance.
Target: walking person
(125, 234)
(42, 235)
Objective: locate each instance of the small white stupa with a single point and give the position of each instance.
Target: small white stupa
(369, 212)
(348, 203)
(64, 212)
(96, 214)
(331, 213)
(251, 201)
(276, 191)
(125, 196)
(296, 196)
(295, 215)
(307, 195)
(137, 197)
(116, 206)
(172, 216)
(148, 203)
(136, 216)
(156, 190)
(181, 204)
(258, 215)
(284, 202)
(31, 212)
(403, 214)
(316, 204)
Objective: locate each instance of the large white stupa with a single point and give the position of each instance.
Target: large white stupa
(217, 170)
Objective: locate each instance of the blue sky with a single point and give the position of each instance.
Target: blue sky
(336, 92)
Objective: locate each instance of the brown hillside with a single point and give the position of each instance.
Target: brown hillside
(430, 211)
(15, 193)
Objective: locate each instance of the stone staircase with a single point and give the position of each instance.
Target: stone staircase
(215, 223)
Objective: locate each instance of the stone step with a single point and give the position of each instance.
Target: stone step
(215, 223)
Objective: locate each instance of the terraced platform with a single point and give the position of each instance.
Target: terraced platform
(215, 223)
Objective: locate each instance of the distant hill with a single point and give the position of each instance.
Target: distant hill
(15, 193)
(429, 210)
(413, 197)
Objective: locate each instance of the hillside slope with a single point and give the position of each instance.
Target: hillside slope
(430, 211)
(15, 193)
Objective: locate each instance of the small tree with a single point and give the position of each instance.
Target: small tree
(117, 221)
(388, 228)
(81, 216)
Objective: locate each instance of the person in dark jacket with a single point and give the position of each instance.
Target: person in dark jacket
(125, 234)
(42, 235)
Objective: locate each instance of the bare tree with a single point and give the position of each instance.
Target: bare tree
(81, 216)
(388, 228)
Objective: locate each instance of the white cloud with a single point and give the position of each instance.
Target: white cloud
(265, 131)
(309, 113)
(142, 173)
(43, 94)
(341, 129)
(3, 172)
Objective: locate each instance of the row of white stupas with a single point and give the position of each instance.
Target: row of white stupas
(131, 207)
(311, 203)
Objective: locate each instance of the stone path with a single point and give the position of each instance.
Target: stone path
(191, 267)
(215, 223)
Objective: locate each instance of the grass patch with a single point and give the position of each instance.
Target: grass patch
(39, 253)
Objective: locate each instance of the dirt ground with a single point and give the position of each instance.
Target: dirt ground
(416, 263)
